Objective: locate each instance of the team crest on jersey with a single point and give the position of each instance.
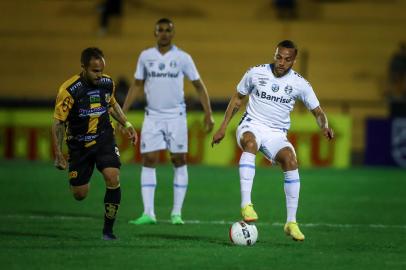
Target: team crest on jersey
(161, 66)
(94, 99)
(173, 64)
(275, 87)
(108, 97)
(288, 89)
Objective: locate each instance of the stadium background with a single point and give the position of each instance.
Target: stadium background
(345, 49)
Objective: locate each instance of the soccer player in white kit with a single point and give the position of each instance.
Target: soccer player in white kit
(160, 72)
(272, 90)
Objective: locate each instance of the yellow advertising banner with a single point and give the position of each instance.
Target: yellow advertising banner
(26, 134)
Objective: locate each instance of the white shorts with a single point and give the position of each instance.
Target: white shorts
(168, 134)
(269, 140)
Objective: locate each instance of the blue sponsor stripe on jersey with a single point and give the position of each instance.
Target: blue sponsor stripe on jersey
(148, 185)
(247, 166)
(180, 186)
(292, 181)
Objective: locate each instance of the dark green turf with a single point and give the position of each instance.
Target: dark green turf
(42, 227)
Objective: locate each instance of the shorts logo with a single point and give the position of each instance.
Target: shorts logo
(288, 89)
(180, 146)
(117, 151)
(161, 66)
(73, 174)
(143, 145)
(275, 87)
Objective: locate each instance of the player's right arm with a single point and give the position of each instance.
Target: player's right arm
(244, 88)
(63, 104)
(137, 85)
(232, 108)
(135, 88)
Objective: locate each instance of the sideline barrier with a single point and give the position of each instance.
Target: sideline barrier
(386, 142)
(26, 134)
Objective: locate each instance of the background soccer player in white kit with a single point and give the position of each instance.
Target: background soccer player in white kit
(272, 90)
(160, 71)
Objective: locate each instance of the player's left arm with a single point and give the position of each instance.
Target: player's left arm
(117, 113)
(205, 101)
(58, 134)
(322, 121)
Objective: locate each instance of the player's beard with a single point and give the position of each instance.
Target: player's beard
(280, 72)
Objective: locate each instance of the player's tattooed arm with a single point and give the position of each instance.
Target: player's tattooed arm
(58, 134)
(322, 121)
(232, 108)
(117, 113)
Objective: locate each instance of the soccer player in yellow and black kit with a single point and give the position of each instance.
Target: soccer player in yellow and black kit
(82, 111)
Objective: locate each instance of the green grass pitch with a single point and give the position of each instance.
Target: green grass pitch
(352, 219)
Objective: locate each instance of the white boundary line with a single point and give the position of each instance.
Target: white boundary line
(214, 222)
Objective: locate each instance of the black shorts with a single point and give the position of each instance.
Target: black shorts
(103, 154)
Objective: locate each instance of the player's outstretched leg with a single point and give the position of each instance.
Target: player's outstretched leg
(292, 189)
(247, 173)
(180, 184)
(112, 200)
(148, 185)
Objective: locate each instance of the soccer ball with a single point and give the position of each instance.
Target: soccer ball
(243, 234)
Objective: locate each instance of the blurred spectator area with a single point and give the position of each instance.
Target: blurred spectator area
(347, 45)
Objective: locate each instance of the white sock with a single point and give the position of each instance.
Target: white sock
(148, 184)
(292, 189)
(180, 183)
(247, 173)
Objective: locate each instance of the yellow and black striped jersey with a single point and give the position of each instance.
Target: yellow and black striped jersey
(84, 108)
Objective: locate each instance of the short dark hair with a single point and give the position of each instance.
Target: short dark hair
(288, 44)
(164, 20)
(89, 53)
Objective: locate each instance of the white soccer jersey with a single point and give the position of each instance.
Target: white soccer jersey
(163, 75)
(271, 99)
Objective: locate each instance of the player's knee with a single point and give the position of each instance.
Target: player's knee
(178, 160)
(289, 162)
(149, 161)
(112, 182)
(249, 146)
(79, 195)
(80, 192)
(248, 143)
